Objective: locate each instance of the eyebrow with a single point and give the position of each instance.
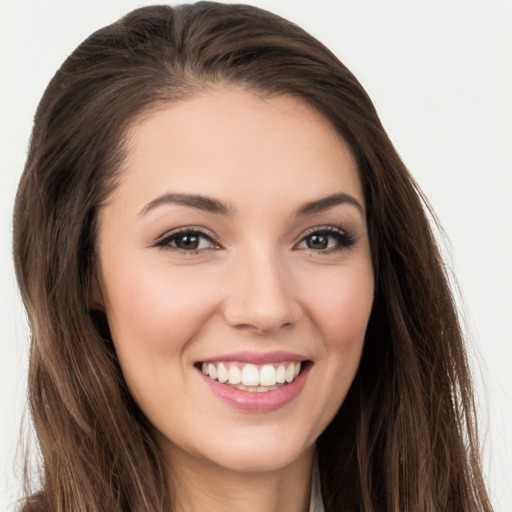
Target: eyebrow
(195, 200)
(215, 206)
(325, 203)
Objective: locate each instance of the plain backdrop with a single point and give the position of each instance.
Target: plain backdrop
(440, 75)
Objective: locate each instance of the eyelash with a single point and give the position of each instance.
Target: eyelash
(165, 241)
(343, 239)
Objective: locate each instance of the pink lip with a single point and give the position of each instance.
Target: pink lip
(256, 357)
(257, 402)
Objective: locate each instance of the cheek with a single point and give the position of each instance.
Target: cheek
(341, 306)
(153, 316)
(341, 313)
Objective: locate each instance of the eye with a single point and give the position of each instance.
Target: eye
(326, 240)
(188, 240)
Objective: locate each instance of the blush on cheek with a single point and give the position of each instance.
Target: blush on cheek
(347, 311)
(158, 313)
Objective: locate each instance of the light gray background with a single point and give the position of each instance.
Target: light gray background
(440, 75)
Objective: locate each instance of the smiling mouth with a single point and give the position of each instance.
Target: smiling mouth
(253, 377)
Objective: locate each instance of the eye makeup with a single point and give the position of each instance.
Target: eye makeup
(187, 239)
(325, 240)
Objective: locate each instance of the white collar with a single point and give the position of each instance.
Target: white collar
(316, 503)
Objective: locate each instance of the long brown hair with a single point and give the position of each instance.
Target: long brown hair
(404, 439)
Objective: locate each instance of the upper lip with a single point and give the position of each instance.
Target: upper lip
(257, 357)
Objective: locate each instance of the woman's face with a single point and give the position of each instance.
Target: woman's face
(236, 245)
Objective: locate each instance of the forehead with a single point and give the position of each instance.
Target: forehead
(227, 140)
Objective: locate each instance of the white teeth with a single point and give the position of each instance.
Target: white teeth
(250, 375)
(256, 389)
(281, 374)
(234, 375)
(212, 371)
(290, 371)
(222, 373)
(267, 375)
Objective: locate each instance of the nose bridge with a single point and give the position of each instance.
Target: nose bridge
(261, 292)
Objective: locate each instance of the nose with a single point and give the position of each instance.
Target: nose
(261, 295)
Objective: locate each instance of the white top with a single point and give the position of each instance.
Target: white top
(316, 503)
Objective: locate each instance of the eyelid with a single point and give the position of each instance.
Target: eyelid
(323, 227)
(347, 239)
(162, 240)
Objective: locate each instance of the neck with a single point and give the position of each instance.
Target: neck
(203, 485)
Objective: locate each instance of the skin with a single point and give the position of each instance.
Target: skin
(258, 287)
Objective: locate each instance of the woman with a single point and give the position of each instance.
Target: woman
(238, 273)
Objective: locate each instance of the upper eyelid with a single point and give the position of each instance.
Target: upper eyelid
(323, 227)
(348, 238)
(201, 230)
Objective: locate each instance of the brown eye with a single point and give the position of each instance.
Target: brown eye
(326, 240)
(186, 240)
(317, 241)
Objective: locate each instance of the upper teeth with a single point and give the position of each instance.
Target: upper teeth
(251, 374)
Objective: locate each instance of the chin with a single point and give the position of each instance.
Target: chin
(261, 452)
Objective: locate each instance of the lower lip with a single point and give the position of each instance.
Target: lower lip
(265, 401)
